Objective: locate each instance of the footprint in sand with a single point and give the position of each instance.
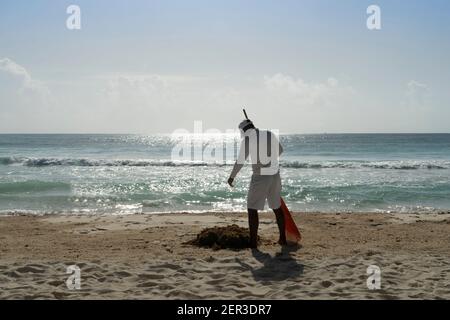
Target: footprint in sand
(147, 284)
(122, 274)
(151, 276)
(55, 283)
(30, 269)
(326, 284)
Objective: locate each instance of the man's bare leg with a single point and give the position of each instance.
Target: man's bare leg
(280, 222)
(253, 223)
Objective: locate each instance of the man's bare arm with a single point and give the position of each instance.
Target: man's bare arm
(242, 157)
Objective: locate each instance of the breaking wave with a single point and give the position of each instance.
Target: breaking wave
(83, 162)
(398, 165)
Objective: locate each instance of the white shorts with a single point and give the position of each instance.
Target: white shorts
(264, 187)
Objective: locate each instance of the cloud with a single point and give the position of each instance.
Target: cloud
(137, 102)
(416, 95)
(147, 91)
(26, 88)
(299, 91)
(26, 104)
(135, 90)
(9, 66)
(148, 101)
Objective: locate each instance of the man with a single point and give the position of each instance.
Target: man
(263, 148)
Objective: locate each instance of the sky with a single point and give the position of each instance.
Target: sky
(157, 66)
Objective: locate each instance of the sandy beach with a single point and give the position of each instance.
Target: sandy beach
(144, 257)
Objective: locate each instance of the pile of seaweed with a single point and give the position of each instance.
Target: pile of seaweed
(229, 237)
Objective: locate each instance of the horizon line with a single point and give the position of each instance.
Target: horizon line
(161, 133)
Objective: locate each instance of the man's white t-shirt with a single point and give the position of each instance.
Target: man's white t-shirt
(263, 149)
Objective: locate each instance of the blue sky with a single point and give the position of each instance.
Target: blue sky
(156, 66)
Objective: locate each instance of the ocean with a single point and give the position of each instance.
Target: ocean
(124, 174)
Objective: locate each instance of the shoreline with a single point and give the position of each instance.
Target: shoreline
(143, 256)
(65, 213)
